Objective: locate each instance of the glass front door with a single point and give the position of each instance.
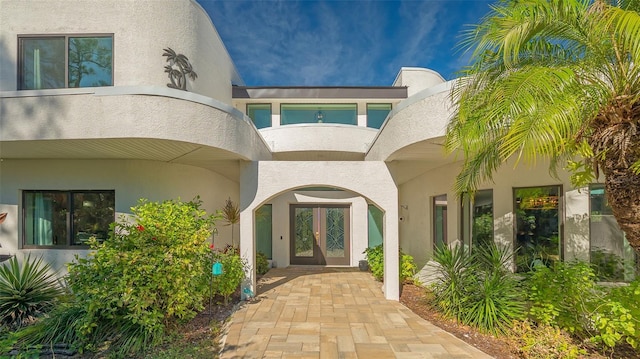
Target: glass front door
(320, 234)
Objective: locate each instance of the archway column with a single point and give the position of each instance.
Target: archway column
(261, 181)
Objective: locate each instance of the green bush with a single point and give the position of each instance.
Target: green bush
(233, 273)
(262, 264)
(616, 317)
(454, 277)
(477, 288)
(27, 290)
(495, 298)
(567, 296)
(563, 296)
(152, 271)
(375, 259)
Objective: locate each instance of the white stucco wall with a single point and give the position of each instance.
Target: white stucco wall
(131, 180)
(141, 30)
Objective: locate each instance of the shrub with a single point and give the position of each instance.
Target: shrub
(407, 267)
(148, 274)
(616, 317)
(563, 296)
(477, 289)
(375, 259)
(568, 297)
(233, 273)
(27, 290)
(454, 276)
(495, 299)
(262, 264)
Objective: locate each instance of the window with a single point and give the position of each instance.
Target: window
(49, 62)
(611, 255)
(66, 218)
(260, 114)
(439, 220)
(377, 113)
(375, 223)
(320, 113)
(538, 239)
(264, 235)
(477, 219)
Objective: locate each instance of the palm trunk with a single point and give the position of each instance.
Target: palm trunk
(623, 192)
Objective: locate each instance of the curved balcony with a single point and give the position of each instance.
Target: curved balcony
(413, 135)
(127, 123)
(318, 142)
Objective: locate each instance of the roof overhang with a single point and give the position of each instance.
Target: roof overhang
(389, 92)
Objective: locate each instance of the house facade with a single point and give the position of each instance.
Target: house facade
(106, 102)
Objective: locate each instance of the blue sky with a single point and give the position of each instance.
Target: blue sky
(341, 43)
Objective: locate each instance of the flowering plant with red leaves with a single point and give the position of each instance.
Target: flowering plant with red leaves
(140, 228)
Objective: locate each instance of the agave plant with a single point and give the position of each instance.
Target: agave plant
(27, 290)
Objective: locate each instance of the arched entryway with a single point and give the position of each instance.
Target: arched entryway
(368, 182)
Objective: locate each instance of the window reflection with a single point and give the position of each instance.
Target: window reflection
(611, 254)
(477, 219)
(440, 220)
(60, 61)
(537, 227)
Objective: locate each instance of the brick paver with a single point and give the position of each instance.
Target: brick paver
(317, 312)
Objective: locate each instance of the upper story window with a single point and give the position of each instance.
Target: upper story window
(346, 114)
(66, 218)
(260, 114)
(377, 113)
(49, 62)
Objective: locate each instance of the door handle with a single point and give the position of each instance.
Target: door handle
(317, 236)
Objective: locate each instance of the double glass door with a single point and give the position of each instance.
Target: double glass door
(320, 234)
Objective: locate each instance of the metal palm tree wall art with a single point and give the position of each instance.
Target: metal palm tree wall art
(179, 68)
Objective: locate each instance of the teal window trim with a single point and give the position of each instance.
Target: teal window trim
(377, 113)
(260, 114)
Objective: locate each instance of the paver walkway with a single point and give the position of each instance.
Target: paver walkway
(319, 312)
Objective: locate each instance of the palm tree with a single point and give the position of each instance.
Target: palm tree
(230, 214)
(559, 80)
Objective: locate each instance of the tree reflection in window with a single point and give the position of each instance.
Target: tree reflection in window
(537, 227)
